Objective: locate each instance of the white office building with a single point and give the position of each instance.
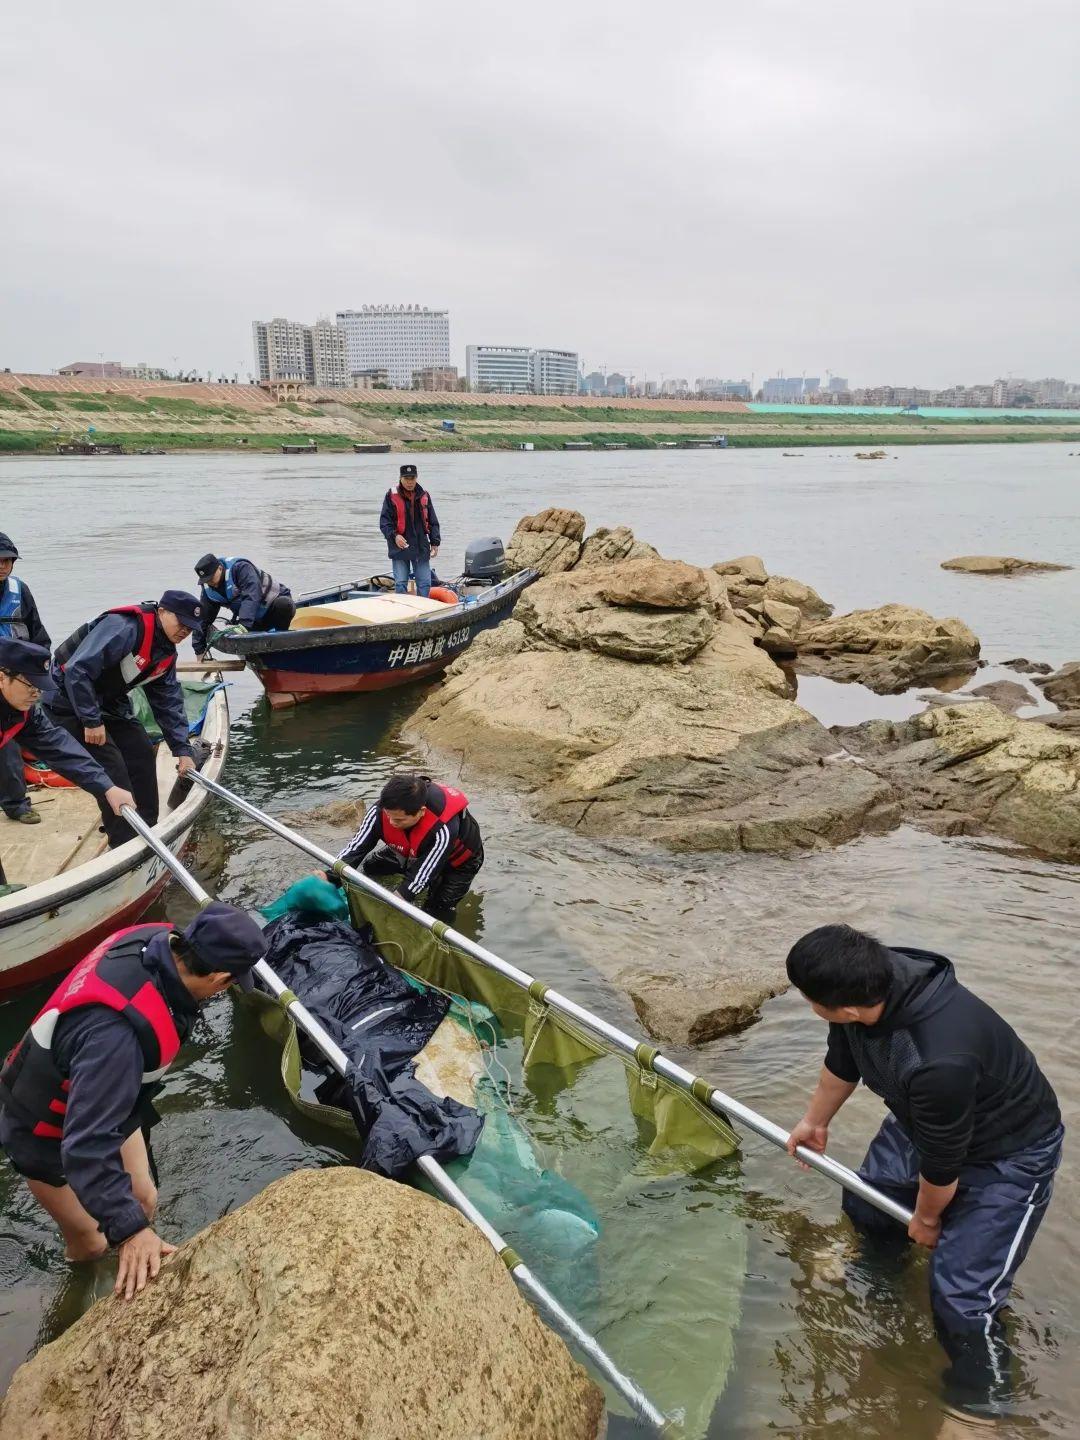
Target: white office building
(554, 372)
(499, 369)
(399, 339)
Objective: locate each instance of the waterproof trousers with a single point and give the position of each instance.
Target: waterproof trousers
(449, 889)
(279, 615)
(128, 758)
(14, 800)
(985, 1235)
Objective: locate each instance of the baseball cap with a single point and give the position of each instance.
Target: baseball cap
(225, 938)
(206, 565)
(22, 658)
(8, 549)
(187, 608)
(408, 472)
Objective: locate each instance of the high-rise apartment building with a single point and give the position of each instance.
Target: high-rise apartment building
(330, 365)
(397, 338)
(554, 372)
(499, 369)
(283, 349)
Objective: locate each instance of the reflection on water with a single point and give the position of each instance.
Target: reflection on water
(748, 1253)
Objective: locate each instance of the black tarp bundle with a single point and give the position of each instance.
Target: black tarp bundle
(381, 1021)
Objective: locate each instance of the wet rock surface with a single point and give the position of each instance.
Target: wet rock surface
(1023, 666)
(888, 649)
(1062, 687)
(243, 1334)
(999, 565)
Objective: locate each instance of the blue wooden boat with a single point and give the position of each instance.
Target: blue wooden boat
(338, 658)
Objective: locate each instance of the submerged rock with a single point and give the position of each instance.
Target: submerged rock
(968, 768)
(1062, 687)
(693, 1008)
(1027, 667)
(333, 1304)
(999, 565)
(888, 649)
(1006, 694)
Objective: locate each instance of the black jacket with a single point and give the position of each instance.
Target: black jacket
(54, 747)
(434, 852)
(420, 542)
(960, 1081)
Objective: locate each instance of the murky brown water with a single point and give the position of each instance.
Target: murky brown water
(812, 1355)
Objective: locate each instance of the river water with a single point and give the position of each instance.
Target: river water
(813, 1353)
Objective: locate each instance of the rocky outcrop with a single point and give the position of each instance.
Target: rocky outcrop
(549, 542)
(888, 649)
(771, 598)
(963, 769)
(1023, 666)
(1007, 695)
(1062, 687)
(604, 547)
(333, 1304)
(998, 565)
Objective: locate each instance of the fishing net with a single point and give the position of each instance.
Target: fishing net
(197, 695)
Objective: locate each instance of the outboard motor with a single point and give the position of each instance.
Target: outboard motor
(485, 560)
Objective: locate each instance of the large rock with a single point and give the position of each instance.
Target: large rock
(334, 1304)
(750, 586)
(969, 768)
(619, 610)
(604, 547)
(1007, 695)
(693, 1008)
(998, 565)
(1062, 687)
(888, 649)
(549, 542)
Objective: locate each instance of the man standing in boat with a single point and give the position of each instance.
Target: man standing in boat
(255, 600)
(428, 835)
(24, 679)
(411, 527)
(973, 1141)
(76, 1092)
(19, 620)
(95, 670)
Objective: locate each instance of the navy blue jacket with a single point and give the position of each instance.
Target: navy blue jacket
(245, 609)
(420, 542)
(99, 1052)
(36, 632)
(55, 747)
(80, 688)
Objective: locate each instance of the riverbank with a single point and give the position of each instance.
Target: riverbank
(39, 412)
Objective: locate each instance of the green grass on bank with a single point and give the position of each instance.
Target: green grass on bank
(15, 442)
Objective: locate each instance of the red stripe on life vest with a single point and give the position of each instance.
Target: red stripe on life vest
(58, 1107)
(150, 1003)
(48, 1132)
(65, 1085)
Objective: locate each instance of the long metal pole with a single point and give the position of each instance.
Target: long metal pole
(716, 1099)
(561, 1318)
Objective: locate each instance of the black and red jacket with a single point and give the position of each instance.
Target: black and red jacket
(412, 516)
(446, 837)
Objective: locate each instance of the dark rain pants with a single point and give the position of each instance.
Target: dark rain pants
(985, 1235)
(449, 889)
(14, 800)
(129, 759)
(279, 615)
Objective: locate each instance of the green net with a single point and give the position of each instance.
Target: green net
(196, 698)
(686, 1132)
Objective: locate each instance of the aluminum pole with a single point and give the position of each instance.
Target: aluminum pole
(717, 1100)
(632, 1393)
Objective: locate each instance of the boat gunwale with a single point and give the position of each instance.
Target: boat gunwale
(275, 642)
(49, 894)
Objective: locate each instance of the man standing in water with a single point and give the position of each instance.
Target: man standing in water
(75, 1093)
(411, 527)
(971, 1145)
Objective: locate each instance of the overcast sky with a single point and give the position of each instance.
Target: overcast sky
(889, 192)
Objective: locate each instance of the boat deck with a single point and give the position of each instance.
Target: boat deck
(69, 833)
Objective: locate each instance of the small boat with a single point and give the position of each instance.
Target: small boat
(577, 445)
(869, 454)
(88, 447)
(311, 448)
(361, 636)
(151, 450)
(76, 890)
(381, 447)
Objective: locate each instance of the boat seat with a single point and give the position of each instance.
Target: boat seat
(366, 610)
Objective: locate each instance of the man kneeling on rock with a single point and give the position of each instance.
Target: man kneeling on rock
(75, 1092)
(428, 835)
(971, 1145)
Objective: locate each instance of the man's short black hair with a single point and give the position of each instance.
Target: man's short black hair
(836, 965)
(405, 792)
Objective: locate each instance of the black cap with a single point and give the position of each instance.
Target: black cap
(206, 565)
(408, 472)
(8, 549)
(22, 658)
(225, 938)
(187, 608)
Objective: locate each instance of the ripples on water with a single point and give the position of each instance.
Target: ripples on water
(812, 1356)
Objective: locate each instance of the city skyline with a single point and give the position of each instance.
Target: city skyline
(762, 187)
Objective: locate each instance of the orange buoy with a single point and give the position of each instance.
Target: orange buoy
(440, 592)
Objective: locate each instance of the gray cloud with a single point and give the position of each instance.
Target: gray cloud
(888, 192)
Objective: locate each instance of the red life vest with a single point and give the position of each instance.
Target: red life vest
(112, 975)
(135, 667)
(407, 842)
(9, 734)
(398, 502)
